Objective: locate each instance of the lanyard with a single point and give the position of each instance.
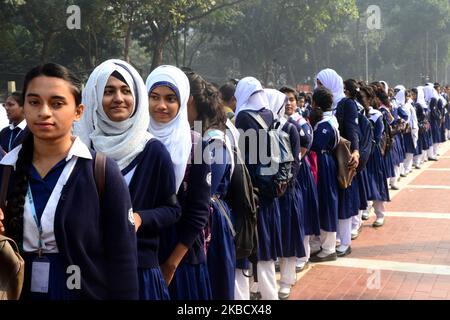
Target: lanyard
(36, 220)
(11, 140)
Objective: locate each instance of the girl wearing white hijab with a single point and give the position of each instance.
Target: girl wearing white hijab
(182, 249)
(115, 123)
(433, 101)
(292, 231)
(251, 97)
(422, 117)
(346, 111)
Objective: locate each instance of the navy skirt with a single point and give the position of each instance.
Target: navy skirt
(292, 233)
(269, 230)
(310, 208)
(191, 282)
(409, 143)
(221, 255)
(377, 179)
(327, 189)
(152, 285)
(349, 201)
(363, 185)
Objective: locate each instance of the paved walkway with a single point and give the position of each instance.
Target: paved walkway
(408, 258)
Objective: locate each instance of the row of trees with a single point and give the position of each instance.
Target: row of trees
(279, 41)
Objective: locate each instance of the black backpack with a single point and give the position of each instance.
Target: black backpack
(366, 141)
(272, 183)
(387, 138)
(243, 201)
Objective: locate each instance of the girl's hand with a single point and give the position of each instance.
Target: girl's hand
(137, 221)
(2, 227)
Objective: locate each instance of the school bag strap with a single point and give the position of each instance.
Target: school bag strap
(99, 173)
(257, 117)
(4, 188)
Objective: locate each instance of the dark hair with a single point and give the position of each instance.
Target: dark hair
(384, 98)
(227, 92)
(18, 97)
(208, 103)
(55, 71)
(323, 99)
(116, 74)
(286, 90)
(352, 87)
(16, 199)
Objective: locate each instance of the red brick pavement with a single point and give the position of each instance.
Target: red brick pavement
(422, 241)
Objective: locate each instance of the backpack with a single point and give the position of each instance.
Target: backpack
(366, 141)
(269, 182)
(387, 138)
(243, 201)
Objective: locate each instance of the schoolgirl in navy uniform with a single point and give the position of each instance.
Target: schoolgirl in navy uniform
(182, 246)
(346, 111)
(13, 135)
(434, 104)
(54, 211)
(305, 184)
(290, 204)
(115, 123)
(205, 108)
(378, 190)
(422, 143)
(250, 96)
(326, 138)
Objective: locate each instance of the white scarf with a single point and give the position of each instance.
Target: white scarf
(400, 97)
(175, 135)
(386, 87)
(250, 95)
(277, 104)
(331, 80)
(330, 118)
(121, 141)
(421, 97)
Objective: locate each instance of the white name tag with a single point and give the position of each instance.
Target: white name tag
(40, 274)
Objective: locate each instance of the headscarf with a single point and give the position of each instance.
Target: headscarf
(277, 103)
(250, 95)
(122, 141)
(430, 93)
(400, 96)
(386, 87)
(421, 97)
(334, 83)
(175, 135)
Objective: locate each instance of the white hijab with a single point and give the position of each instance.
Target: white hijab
(121, 141)
(250, 95)
(333, 82)
(430, 93)
(386, 87)
(175, 135)
(277, 103)
(421, 97)
(400, 96)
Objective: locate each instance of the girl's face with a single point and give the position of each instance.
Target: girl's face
(163, 104)
(291, 104)
(14, 111)
(50, 108)
(117, 100)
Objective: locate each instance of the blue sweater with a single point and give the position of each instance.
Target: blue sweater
(153, 195)
(98, 238)
(347, 115)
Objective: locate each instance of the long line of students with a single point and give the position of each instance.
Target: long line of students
(160, 227)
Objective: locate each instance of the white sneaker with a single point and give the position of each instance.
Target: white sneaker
(378, 223)
(365, 215)
(284, 292)
(338, 242)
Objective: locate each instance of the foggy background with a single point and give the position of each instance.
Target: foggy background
(281, 42)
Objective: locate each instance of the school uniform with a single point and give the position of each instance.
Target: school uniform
(377, 188)
(221, 254)
(349, 198)
(268, 216)
(12, 136)
(325, 140)
(307, 188)
(151, 182)
(191, 280)
(76, 231)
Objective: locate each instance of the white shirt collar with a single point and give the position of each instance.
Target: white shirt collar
(78, 149)
(21, 125)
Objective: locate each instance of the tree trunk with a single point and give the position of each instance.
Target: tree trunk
(159, 42)
(46, 46)
(126, 49)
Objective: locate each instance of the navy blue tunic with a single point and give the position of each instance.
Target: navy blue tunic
(327, 187)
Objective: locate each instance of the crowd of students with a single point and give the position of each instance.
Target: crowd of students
(157, 224)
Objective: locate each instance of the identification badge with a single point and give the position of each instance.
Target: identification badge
(40, 274)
